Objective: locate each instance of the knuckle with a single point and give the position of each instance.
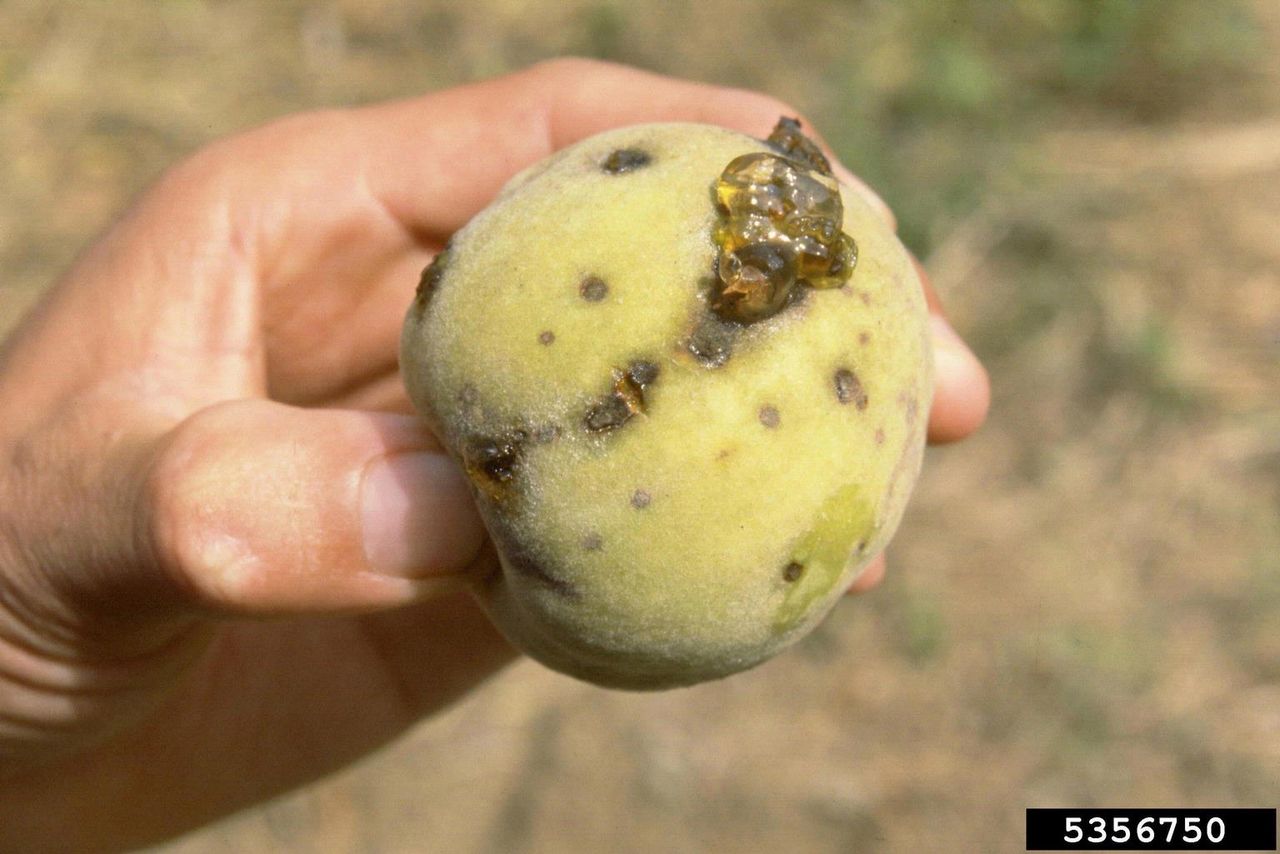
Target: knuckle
(570, 67)
(257, 154)
(182, 516)
(768, 107)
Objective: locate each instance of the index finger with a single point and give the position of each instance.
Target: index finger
(437, 160)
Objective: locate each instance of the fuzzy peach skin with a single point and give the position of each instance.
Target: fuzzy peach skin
(766, 465)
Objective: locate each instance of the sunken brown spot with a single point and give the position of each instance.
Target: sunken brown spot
(640, 499)
(879, 435)
(593, 289)
(608, 414)
(493, 463)
(624, 160)
(864, 338)
(791, 572)
(592, 542)
(546, 337)
(430, 280)
(642, 373)
(711, 342)
(849, 389)
(769, 416)
(625, 401)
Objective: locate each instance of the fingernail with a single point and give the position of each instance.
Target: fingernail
(419, 517)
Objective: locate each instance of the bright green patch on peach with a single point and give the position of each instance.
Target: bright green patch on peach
(845, 521)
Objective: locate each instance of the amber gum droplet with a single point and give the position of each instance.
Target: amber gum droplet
(780, 227)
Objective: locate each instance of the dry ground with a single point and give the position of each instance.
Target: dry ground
(1083, 601)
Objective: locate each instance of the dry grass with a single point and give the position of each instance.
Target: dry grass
(1084, 598)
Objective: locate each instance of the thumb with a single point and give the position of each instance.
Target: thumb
(255, 507)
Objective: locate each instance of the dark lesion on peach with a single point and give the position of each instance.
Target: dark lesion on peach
(518, 560)
(625, 401)
(493, 463)
(624, 160)
(712, 340)
(792, 571)
(779, 231)
(787, 139)
(593, 288)
(849, 388)
(529, 567)
(429, 281)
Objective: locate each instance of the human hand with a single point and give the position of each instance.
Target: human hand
(231, 560)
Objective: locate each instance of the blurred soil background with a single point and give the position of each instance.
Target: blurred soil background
(1084, 600)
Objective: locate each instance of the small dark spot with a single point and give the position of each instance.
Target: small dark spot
(864, 338)
(640, 499)
(593, 289)
(865, 297)
(493, 462)
(711, 342)
(769, 416)
(430, 279)
(791, 572)
(849, 389)
(625, 160)
(546, 337)
(593, 542)
(879, 435)
(724, 454)
(862, 546)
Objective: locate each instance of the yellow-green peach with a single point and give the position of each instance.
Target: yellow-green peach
(682, 470)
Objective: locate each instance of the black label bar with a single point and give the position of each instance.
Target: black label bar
(1151, 830)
